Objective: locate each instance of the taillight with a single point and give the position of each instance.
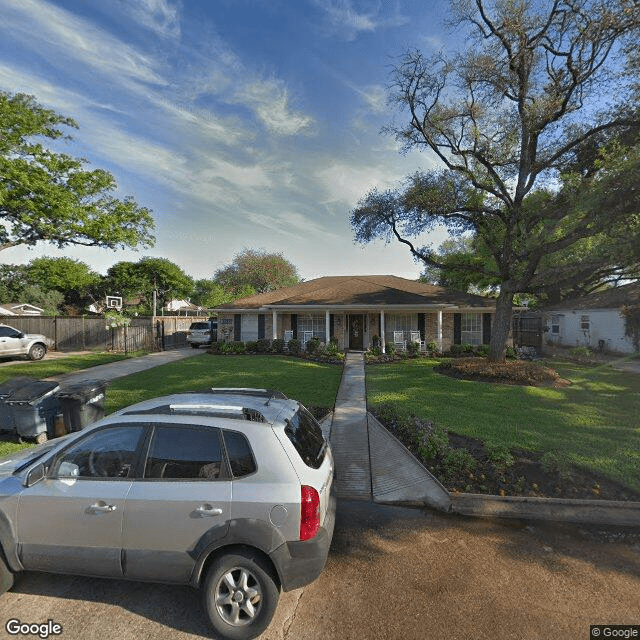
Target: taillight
(309, 513)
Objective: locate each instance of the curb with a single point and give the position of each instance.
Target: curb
(430, 494)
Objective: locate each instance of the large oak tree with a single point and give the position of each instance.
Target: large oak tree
(506, 118)
(50, 196)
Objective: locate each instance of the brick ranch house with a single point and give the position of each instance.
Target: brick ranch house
(356, 309)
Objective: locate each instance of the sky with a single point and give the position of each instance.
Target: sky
(239, 123)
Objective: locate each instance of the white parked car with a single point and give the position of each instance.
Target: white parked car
(16, 343)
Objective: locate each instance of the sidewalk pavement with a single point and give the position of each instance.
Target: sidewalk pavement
(121, 368)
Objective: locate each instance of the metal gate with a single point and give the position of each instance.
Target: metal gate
(528, 330)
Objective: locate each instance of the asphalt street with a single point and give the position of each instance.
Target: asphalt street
(394, 574)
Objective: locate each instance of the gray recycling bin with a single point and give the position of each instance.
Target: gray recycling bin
(7, 389)
(82, 403)
(33, 408)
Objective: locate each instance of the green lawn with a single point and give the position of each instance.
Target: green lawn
(314, 384)
(57, 366)
(595, 421)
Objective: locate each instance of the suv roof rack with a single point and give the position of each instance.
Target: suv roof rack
(208, 410)
(246, 391)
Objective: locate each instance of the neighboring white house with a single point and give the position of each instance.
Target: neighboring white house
(20, 309)
(596, 320)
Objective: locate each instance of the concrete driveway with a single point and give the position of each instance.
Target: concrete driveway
(393, 574)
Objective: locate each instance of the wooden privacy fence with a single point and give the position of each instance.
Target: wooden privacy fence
(79, 333)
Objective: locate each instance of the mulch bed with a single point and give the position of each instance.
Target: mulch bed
(510, 372)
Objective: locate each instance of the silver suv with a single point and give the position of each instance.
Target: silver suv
(204, 332)
(16, 343)
(229, 490)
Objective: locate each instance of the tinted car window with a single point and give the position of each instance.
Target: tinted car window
(108, 453)
(8, 332)
(199, 325)
(306, 436)
(184, 452)
(239, 453)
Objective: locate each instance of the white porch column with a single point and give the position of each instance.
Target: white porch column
(439, 329)
(327, 326)
(274, 327)
(382, 340)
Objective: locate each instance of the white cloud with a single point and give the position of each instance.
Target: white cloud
(77, 39)
(160, 16)
(347, 21)
(270, 101)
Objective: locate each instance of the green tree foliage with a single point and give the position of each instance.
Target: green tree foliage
(74, 279)
(13, 278)
(140, 279)
(508, 119)
(208, 293)
(49, 196)
(50, 300)
(258, 270)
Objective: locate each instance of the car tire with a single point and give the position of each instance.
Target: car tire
(194, 346)
(240, 596)
(37, 352)
(6, 575)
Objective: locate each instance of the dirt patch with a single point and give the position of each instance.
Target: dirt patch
(464, 465)
(510, 372)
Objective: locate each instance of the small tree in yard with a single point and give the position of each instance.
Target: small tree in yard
(511, 120)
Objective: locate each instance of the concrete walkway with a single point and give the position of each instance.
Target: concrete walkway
(370, 463)
(121, 368)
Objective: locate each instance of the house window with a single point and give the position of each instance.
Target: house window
(471, 328)
(584, 323)
(312, 322)
(405, 322)
(555, 324)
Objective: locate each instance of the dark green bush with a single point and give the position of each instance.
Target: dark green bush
(263, 345)
(482, 350)
(277, 346)
(391, 348)
(251, 346)
(413, 348)
(458, 461)
(313, 345)
(295, 346)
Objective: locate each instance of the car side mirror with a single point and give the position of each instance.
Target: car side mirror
(35, 475)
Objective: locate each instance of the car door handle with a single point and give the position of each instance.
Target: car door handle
(207, 510)
(101, 507)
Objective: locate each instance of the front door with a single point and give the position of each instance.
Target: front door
(356, 332)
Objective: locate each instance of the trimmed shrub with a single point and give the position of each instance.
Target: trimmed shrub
(263, 345)
(391, 348)
(313, 345)
(483, 350)
(295, 346)
(251, 346)
(277, 346)
(413, 348)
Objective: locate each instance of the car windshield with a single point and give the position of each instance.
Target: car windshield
(199, 325)
(306, 436)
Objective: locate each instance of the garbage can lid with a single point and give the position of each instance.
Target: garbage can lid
(9, 387)
(33, 391)
(83, 391)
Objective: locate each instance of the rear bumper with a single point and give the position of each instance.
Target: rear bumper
(300, 563)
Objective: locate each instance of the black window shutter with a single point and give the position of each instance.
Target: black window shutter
(332, 322)
(294, 325)
(457, 328)
(237, 327)
(486, 328)
(261, 326)
(421, 325)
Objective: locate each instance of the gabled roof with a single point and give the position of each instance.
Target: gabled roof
(355, 291)
(20, 309)
(613, 298)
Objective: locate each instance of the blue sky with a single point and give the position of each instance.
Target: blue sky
(240, 123)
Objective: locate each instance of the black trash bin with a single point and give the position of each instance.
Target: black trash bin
(82, 403)
(7, 389)
(33, 407)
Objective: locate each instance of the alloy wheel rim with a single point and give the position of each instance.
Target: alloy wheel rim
(238, 597)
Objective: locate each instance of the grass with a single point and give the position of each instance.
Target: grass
(58, 366)
(593, 422)
(314, 384)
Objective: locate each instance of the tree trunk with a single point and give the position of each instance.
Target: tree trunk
(501, 326)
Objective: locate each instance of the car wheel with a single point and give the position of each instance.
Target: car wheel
(240, 596)
(194, 346)
(6, 575)
(37, 352)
